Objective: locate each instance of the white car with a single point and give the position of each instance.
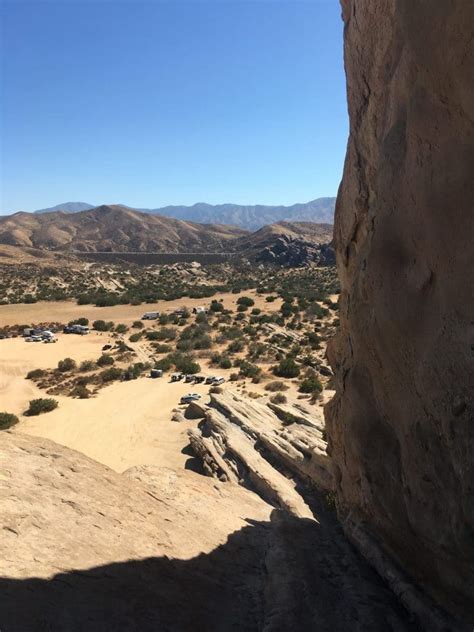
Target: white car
(218, 380)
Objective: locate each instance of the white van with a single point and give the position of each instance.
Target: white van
(150, 315)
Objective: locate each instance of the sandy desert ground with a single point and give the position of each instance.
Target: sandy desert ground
(64, 311)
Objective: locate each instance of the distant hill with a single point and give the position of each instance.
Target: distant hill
(67, 207)
(119, 229)
(320, 210)
(113, 228)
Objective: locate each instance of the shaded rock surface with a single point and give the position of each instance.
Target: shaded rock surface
(401, 430)
(86, 549)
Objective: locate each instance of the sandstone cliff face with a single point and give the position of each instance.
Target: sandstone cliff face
(401, 427)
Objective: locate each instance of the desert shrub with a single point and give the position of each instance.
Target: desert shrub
(79, 321)
(7, 420)
(186, 364)
(215, 358)
(235, 346)
(102, 325)
(136, 337)
(87, 365)
(287, 368)
(247, 369)
(278, 398)
(121, 328)
(137, 324)
(241, 308)
(81, 392)
(225, 363)
(164, 364)
(270, 299)
(216, 306)
(163, 319)
(109, 300)
(275, 386)
(105, 360)
(40, 406)
(35, 374)
(233, 377)
(246, 301)
(256, 311)
(162, 348)
(68, 364)
(165, 333)
(111, 374)
(134, 371)
(310, 385)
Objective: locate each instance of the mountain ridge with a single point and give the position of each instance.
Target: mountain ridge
(252, 217)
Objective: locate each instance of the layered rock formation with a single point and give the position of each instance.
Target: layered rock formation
(85, 548)
(401, 426)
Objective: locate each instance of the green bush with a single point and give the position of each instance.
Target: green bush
(105, 360)
(40, 406)
(287, 368)
(225, 363)
(310, 385)
(247, 369)
(121, 328)
(80, 391)
(246, 301)
(7, 420)
(278, 398)
(35, 374)
(79, 321)
(87, 365)
(109, 375)
(101, 325)
(162, 348)
(235, 346)
(135, 337)
(137, 324)
(68, 364)
(216, 306)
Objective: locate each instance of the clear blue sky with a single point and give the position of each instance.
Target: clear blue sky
(171, 102)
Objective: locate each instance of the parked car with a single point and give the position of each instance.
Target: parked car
(189, 378)
(156, 373)
(210, 379)
(50, 339)
(175, 377)
(199, 379)
(190, 397)
(106, 347)
(150, 315)
(218, 380)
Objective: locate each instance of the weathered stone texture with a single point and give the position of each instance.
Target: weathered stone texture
(401, 427)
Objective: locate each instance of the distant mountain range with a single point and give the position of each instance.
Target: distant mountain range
(113, 228)
(320, 210)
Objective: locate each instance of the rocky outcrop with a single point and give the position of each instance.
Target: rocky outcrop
(401, 430)
(293, 252)
(270, 450)
(85, 548)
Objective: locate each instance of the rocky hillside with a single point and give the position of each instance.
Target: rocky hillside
(249, 217)
(113, 228)
(401, 427)
(290, 244)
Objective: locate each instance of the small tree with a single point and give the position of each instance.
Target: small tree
(310, 385)
(40, 406)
